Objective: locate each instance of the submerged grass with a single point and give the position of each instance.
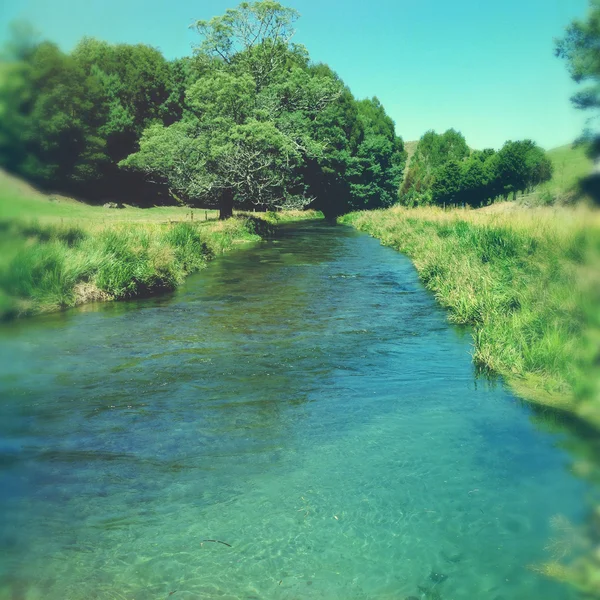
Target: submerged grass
(57, 255)
(527, 281)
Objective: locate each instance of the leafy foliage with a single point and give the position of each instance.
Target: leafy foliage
(264, 127)
(445, 171)
(580, 48)
(247, 120)
(432, 153)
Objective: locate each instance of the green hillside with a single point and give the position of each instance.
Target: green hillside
(570, 165)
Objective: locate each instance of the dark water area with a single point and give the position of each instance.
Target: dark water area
(303, 400)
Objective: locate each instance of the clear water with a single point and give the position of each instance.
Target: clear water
(304, 401)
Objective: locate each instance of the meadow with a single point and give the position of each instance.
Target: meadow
(56, 252)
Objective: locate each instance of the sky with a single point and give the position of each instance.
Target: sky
(483, 67)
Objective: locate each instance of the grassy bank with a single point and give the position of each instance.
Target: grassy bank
(527, 281)
(57, 253)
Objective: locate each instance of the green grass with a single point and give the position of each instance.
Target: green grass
(20, 201)
(57, 253)
(571, 164)
(527, 283)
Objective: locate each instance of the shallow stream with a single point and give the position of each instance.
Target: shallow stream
(304, 401)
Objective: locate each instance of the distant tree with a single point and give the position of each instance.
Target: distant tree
(340, 131)
(69, 118)
(474, 181)
(447, 182)
(51, 112)
(433, 152)
(136, 82)
(520, 166)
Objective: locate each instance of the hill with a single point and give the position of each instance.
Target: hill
(570, 165)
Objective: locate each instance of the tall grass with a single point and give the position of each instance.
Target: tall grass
(527, 283)
(49, 267)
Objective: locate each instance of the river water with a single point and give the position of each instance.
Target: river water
(302, 400)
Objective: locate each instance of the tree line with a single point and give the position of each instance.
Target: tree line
(444, 170)
(247, 120)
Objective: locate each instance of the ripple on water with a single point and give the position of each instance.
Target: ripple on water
(324, 422)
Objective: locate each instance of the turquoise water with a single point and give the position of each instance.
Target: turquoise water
(304, 401)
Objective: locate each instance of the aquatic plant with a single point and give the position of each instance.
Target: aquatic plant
(575, 555)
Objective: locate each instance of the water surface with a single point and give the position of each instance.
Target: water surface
(304, 401)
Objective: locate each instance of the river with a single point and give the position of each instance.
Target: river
(304, 401)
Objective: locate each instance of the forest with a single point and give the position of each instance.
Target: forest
(246, 121)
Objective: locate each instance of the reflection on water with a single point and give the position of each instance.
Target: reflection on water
(303, 401)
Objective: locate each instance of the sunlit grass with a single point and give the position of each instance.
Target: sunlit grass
(571, 164)
(57, 253)
(527, 281)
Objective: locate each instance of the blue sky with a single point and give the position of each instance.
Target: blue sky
(484, 67)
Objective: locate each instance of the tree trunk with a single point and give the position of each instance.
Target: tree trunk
(226, 205)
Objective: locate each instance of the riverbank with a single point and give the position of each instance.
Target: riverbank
(56, 253)
(526, 281)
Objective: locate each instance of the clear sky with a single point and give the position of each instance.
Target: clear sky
(484, 67)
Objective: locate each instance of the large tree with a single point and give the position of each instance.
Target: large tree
(247, 126)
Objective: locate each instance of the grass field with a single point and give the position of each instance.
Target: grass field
(570, 165)
(18, 200)
(526, 280)
(56, 252)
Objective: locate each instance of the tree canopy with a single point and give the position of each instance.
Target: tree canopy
(264, 127)
(445, 171)
(580, 47)
(247, 120)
